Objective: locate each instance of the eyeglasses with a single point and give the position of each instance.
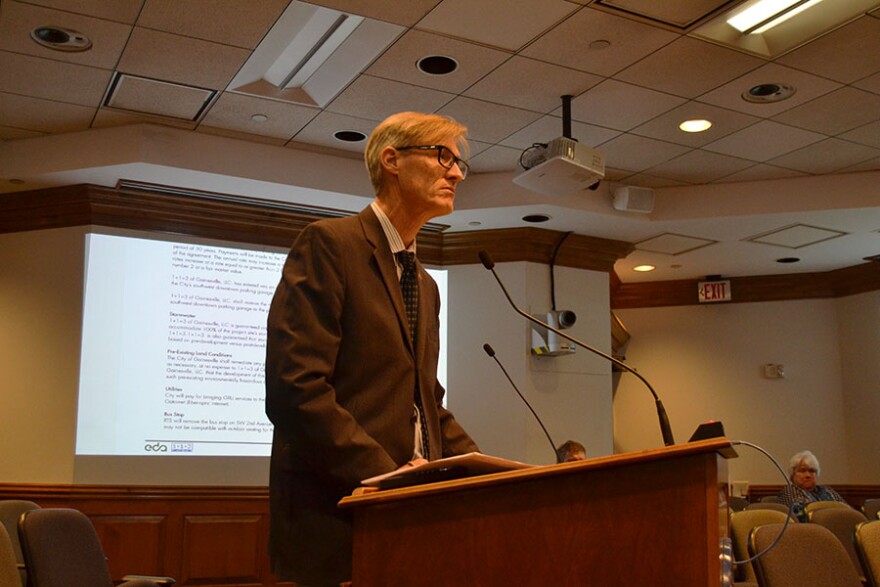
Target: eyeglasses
(445, 157)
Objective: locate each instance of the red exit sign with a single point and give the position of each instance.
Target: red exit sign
(714, 291)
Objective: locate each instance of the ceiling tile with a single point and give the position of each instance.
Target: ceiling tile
(8, 133)
(870, 83)
(486, 121)
(43, 115)
(18, 20)
(646, 180)
(244, 136)
(760, 172)
(574, 42)
(147, 96)
(376, 98)
(621, 106)
(673, 244)
(796, 236)
(508, 24)
(173, 58)
(119, 10)
(404, 12)
(763, 141)
(678, 13)
(532, 85)
(846, 55)
(232, 22)
(107, 117)
(869, 165)
(399, 61)
(834, 113)
(496, 158)
(807, 87)
(826, 156)
(234, 111)
(319, 131)
(688, 67)
(665, 126)
(865, 135)
(548, 128)
(638, 153)
(700, 167)
(53, 80)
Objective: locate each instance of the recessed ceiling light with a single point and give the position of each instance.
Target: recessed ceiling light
(600, 44)
(644, 268)
(60, 39)
(349, 136)
(696, 125)
(475, 223)
(768, 93)
(536, 218)
(788, 260)
(437, 65)
(259, 117)
(16, 181)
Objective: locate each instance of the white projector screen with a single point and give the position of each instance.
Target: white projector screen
(173, 348)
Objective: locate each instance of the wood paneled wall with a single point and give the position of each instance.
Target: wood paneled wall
(206, 536)
(248, 220)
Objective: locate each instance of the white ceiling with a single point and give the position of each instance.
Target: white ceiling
(635, 69)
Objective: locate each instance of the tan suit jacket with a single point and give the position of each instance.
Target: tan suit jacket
(340, 375)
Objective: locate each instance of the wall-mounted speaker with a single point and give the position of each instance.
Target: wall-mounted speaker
(634, 199)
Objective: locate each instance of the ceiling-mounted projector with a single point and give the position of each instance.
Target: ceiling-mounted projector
(561, 167)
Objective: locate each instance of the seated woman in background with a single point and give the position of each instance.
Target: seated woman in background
(803, 470)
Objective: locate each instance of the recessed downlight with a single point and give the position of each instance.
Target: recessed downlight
(536, 218)
(349, 136)
(437, 65)
(60, 39)
(695, 125)
(643, 268)
(763, 93)
(788, 260)
(259, 117)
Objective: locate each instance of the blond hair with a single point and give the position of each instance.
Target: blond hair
(407, 129)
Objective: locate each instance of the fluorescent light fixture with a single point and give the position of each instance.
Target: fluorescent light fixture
(311, 54)
(696, 125)
(763, 15)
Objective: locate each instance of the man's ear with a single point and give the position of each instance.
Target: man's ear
(389, 159)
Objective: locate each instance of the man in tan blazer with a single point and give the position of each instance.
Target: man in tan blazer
(351, 391)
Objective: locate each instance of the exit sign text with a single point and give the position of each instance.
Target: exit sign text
(714, 291)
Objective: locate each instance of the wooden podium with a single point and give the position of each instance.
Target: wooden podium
(655, 517)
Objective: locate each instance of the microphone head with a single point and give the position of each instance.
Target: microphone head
(487, 261)
(489, 350)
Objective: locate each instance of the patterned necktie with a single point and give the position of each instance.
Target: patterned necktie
(409, 286)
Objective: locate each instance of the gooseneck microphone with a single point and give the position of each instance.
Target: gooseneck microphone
(665, 428)
(491, 352)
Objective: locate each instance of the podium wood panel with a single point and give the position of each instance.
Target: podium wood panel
(650, 518)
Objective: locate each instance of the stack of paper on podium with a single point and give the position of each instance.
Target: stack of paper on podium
(467, 465)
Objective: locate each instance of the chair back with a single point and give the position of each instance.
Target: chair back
(737, 503)
(10, 513)
(8, 565)
(868, 549)
(871, 509)
(806, 555)
(741, 524)
(770, 499)
(821, 505)
(769, 505)
(842, 522)
(62, 549)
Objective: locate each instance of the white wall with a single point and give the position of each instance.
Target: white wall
(705, 363)
(41, 281)
(571, 394)
(859, 339)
